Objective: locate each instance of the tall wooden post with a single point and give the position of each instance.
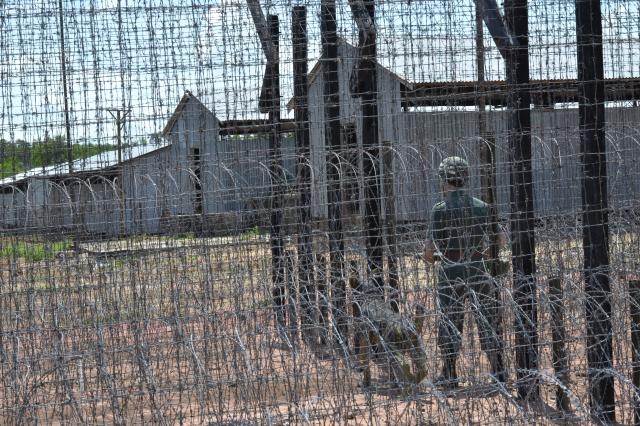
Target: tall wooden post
(119, 124)
(368, 90)
(275, 171)
(488, 143)
(303, 166)
(65, 89)
(329, 37)
(73, 193)
(558, 337)
(634, 310)
(522, 214)
(595, 218)
(390, 223)
(269, 32)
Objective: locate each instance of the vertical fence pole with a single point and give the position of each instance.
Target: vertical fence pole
(522, 215)
(275, 170)
(368, 88)
(488, 144)
(558, 337)
(634, 310)
(595, 219)
(329, 38)
(390, 222)
(65, 86)
(303, 165)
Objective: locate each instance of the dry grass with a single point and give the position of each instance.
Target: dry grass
(182, 332)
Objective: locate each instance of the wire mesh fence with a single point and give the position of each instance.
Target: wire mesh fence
(219, 213)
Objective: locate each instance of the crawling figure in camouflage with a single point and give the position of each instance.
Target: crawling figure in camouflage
(388, 334)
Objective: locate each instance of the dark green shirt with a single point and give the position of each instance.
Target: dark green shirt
(461, 223)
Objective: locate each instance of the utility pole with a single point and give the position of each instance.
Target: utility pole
(75, 217)
(120, 115)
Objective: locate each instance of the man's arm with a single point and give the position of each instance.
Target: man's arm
(500, 235)
(430, 249)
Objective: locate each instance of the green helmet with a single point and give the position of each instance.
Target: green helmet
(454, 171)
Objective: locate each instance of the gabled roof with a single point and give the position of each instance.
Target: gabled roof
(186, 98)
(316, 70)
(98, 162)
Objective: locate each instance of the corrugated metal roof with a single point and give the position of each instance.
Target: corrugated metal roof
(96, 162)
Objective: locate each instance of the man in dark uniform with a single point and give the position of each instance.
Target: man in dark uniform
(460, 233)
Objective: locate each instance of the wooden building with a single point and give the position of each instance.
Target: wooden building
(425, 122)
(200, 179)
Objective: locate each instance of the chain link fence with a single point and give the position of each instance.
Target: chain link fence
(216, 213)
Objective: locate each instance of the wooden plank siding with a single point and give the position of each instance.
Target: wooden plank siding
(421, 139)
(389, 101)
(556, 158)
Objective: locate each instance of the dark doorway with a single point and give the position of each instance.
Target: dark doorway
(197, 180)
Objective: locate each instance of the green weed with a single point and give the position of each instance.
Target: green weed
(34, 252)
(251, 234)
(183, 236)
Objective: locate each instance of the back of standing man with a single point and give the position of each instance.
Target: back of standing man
(459, 236)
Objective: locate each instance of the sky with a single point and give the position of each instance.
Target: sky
(141, 55)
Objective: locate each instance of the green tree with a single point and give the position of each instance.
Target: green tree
(49, 151)
(18, 156)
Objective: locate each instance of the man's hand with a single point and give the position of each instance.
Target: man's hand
(429, 252)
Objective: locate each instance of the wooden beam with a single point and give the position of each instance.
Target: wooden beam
(367, 90)
(502, 36)
(253, 127)
(364, 20)
(270, 52)
(544, 93)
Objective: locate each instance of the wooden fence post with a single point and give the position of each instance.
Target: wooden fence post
(595, 208)
(558, 336)
(275, 170)
(390, 223)
(634, 310)
(523, 249)
(303, 167)
(333, 138)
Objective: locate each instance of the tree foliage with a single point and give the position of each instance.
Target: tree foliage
(16, 157)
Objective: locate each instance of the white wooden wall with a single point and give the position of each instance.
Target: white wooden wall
(556, 158)
(389, 98)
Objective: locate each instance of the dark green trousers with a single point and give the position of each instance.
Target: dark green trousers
(461, 282)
